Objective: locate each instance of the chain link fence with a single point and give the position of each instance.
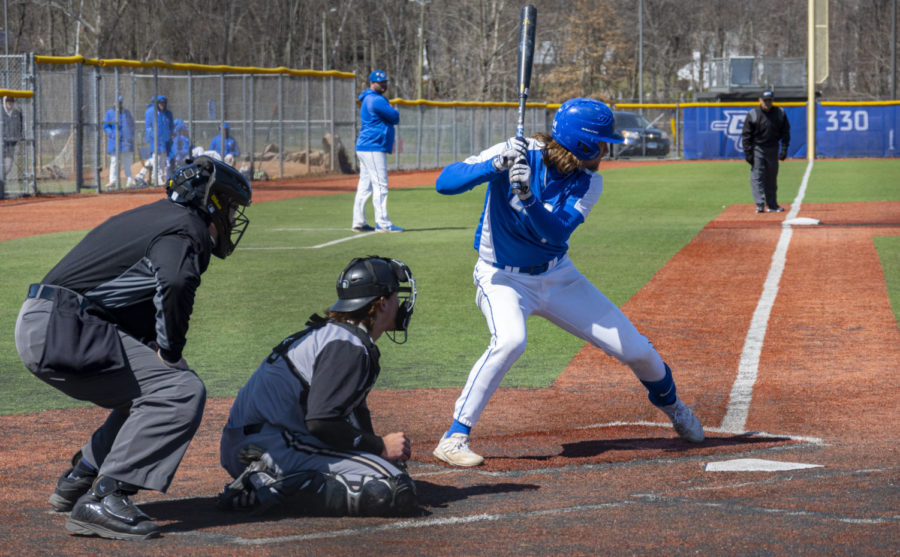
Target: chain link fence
(17, 147)
(432, 134)
(286, 123)
(650, 130)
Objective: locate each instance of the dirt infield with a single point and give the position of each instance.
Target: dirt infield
(587, 466)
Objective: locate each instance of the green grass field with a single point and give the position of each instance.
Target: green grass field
(277, 278)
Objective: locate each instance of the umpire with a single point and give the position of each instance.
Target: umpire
(108, 324)
(764, 127)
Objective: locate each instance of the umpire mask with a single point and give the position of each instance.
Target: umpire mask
(217, 191)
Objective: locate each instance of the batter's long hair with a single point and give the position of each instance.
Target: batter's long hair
(556, 155)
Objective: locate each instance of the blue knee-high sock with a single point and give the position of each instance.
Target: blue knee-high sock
(457, 427)
(662, 392)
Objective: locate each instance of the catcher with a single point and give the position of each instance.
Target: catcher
(299, 435)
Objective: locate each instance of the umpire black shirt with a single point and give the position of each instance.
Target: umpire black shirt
(765, 129)
(143, 266)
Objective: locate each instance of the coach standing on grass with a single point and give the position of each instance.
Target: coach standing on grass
(108, 325)
(376, 139)
(764, 127)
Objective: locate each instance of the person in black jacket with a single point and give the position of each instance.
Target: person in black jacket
(764, 128)
(107, 325)
(299, 435)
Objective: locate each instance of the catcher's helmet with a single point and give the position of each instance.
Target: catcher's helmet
(580, 124)
(365, 279)
(217, 191)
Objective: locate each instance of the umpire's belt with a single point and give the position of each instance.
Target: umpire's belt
(49, 292)
(535, 270)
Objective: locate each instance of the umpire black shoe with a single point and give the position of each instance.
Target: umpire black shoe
(760, 208)
(776, 209)
(69, 488)
(73, 483)
(106, 511)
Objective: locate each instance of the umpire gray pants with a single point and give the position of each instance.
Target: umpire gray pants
(155, 410)
(764, 176)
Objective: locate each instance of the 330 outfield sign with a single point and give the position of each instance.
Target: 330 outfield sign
(842, 130)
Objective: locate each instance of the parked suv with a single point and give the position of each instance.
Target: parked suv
(642, 139)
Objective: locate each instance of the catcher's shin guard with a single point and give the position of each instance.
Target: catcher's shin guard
(394, 496)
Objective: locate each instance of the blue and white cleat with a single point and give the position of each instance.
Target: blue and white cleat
(389, 228)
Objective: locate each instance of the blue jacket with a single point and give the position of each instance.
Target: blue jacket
(181, 145)
(377, 119)
(166, 126)
(231, 146)
(126, 131)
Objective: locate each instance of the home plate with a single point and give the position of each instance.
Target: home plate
(800, 221)
(756, 465)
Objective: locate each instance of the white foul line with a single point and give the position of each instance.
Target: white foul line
(325, 245)
(735, 419)
(430, 523)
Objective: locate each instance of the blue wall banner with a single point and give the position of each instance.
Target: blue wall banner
(857, 129)
(714, 132)
(843, 129)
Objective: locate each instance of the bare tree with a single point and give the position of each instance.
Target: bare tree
(587, 47)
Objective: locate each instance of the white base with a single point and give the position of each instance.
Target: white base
(800, 221)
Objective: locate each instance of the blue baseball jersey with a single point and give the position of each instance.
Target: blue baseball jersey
(530, 233)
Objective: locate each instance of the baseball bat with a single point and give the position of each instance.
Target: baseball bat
(527, 21)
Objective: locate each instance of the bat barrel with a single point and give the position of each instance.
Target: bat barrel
(528, 19)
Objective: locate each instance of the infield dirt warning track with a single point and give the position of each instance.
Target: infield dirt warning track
(586, 466)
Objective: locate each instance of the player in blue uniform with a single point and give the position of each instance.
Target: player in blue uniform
(299, 435)
(228, 150)
(539, 190)
(377, 119)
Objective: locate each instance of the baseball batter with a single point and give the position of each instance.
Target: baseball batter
(539, 190)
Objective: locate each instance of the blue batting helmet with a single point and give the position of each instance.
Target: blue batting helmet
(377, 75)
(581, 124)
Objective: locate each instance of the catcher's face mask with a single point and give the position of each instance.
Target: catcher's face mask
(406, 297)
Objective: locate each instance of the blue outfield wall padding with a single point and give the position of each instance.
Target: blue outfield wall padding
(712, 132)
(857, 131)
(841, 131)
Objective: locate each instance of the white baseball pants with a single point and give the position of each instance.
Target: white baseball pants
(566, 298)
(126, 158)
(373, 181)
